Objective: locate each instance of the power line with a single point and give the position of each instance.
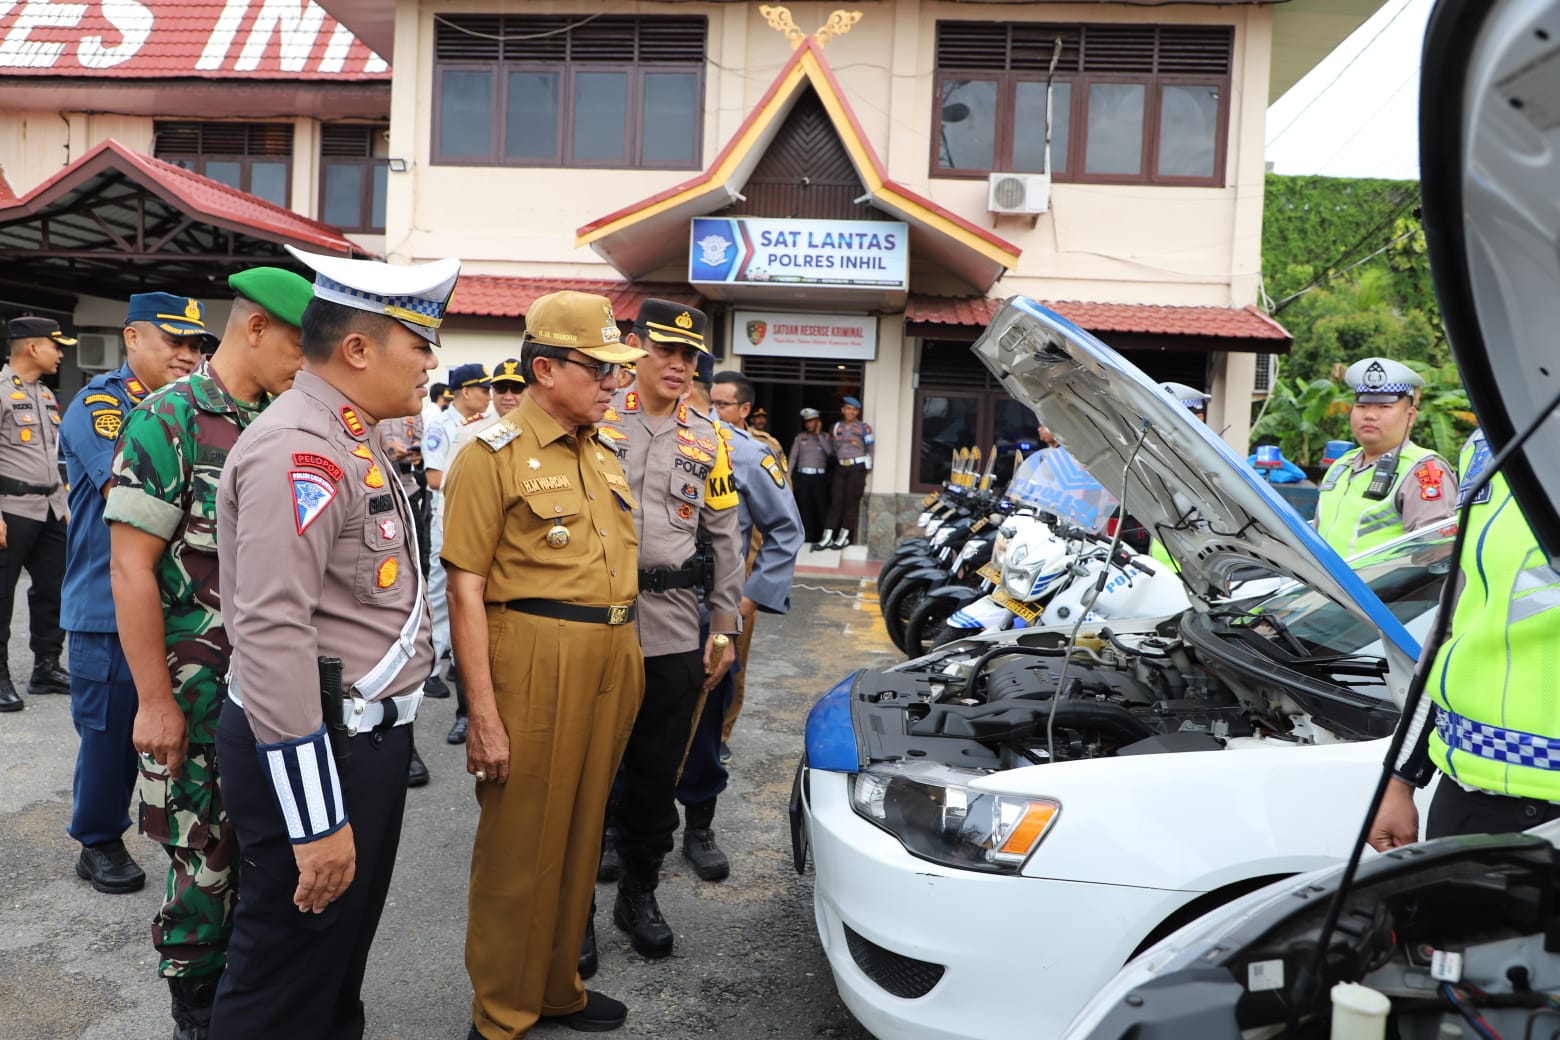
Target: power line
(1413, 77)
(1331, 270)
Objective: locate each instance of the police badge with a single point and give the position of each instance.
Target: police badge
(756, 331)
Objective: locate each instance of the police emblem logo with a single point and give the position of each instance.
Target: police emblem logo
(350, 420)
(697, 455)
(558, 536)
(388, 529)
(362, 452)
(388, 571)
(685, 511)
(25, 418)
(17, 395)
(772, 467)
(690, 492)
(375, 477)
(756, 331)
(192, 310)
(311, 494)
(1375, 376)
(26, 436)
(707, 443)
(106, 423)
(683, 320)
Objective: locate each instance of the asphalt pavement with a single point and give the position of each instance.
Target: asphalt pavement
(76, 963)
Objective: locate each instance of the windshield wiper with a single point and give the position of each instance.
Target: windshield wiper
(1252, 618)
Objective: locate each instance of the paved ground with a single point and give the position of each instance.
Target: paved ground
(75, 963)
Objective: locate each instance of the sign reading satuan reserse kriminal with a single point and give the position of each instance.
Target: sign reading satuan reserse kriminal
(849, 337)
(847, 254)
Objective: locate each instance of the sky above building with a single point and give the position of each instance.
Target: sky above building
(1356, 113)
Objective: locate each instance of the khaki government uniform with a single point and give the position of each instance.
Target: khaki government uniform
(567, 693)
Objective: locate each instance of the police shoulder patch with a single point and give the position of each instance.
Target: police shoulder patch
(311, 493)
(499, 434)
(106, 422)
(772, 467)
(101, 399)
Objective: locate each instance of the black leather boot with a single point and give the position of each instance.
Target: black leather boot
(10, 700)
(636, 911)
(417, 771)
(192, 998)
(611, 866)
(48, 677)
(699, 847)
(589, 962)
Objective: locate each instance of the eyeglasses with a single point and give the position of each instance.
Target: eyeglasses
(600, 369)
(724, 404)
(508, 387)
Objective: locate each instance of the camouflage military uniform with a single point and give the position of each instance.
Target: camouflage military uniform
(166, 469)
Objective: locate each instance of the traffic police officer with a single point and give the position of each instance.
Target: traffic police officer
(469, 415)
(543, 575)
(1188, 397)
(162, 516)
(810, 453)
(1389, 484)
(508, 385)
(853, 449)
(32, 525)
(163, 337)
(1496, 729)
(765, 508)
(669, 452)
(325, 608)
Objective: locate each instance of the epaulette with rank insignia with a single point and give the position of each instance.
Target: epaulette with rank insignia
(499, 434)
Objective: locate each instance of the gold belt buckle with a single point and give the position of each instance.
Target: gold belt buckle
(617, 615)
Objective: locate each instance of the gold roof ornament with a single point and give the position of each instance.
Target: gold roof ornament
(780, 20)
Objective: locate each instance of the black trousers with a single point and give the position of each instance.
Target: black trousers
(812, 501)
(292, 974)
(1455, 811)
(850, 482)
(38, 546)
(646, 811)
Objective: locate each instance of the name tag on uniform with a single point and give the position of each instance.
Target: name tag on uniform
(538, 484)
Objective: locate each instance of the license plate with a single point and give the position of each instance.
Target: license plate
(980, 525)
(990, 572)
(928, 500)
(1024, 610)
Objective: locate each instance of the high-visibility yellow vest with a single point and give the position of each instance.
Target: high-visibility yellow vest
(1350, 522)
(1496, 680)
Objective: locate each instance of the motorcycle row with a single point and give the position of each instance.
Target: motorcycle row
(989, 560)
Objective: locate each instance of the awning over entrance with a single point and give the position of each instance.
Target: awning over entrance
(1123, 325)
(502, 296)
(650, 237)
(116, 222)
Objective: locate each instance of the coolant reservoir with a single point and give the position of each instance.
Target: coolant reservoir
(1359, 1012)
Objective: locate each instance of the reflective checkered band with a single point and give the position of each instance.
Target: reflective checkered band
(1384, 388)
(329, 287)
(1510, 747)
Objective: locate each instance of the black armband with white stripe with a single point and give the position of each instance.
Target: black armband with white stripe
(307, 789)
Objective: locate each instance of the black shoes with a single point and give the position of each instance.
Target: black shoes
(842, 539)
(457, 733)
(611, 867)
(110, 868)
(725, 753)
(435, 688)
(699, 848)
(825, 542)
(10, 700)
(192, 999)
(588, 959)
(601, 1014)
(417, 772)
(637, 914)
(48, 677)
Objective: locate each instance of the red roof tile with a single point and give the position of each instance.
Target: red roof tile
(503, 296)
(6, 194)
(1153, 319)
(162, 39)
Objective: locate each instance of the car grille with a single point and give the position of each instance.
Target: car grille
(902, 976)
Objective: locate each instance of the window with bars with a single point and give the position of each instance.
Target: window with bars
(353, 171)
(1145, 104)
(252, 157)
(598, 91)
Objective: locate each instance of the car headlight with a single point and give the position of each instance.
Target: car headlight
(937, 816)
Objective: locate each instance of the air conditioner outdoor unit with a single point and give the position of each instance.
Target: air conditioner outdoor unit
(1019, 194)
(98, 352)
(1267, 374)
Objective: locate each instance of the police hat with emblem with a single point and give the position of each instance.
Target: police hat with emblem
(282, 293)
(1381, 380)
(854, 402)
(578, 321)
(37, 328)
(462, 376)
(175, 315)
(668, 322)
(810, 413)
(416, 295)
(1187, 396)
(508, 372)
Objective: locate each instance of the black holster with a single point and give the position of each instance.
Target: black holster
(333, 707)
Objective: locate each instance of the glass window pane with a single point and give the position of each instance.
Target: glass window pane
(228, 171)
(1029, 127)
(466, 114)
(531, 116)
(376, 212)
(968, 139)
(1016, 429)
(1115, 141)
(670, 118)
(268, 180)
(343, 195)
(1188, 124)
(600, 116)
(946, 423)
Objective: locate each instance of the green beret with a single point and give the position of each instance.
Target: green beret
(281, 292)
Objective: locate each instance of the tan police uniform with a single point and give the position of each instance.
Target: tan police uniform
(29, 449)
(546, 516)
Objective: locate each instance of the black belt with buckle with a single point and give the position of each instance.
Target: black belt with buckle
(10, 486)
(574, 611)
(665, 579)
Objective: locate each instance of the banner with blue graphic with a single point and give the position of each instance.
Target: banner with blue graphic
(1053, 481)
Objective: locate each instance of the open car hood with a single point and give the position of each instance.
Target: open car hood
(1214, 514)
(1489, 142)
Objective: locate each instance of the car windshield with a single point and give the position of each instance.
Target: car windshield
(1406, 575)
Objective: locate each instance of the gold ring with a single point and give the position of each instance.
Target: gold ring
(481, 775)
